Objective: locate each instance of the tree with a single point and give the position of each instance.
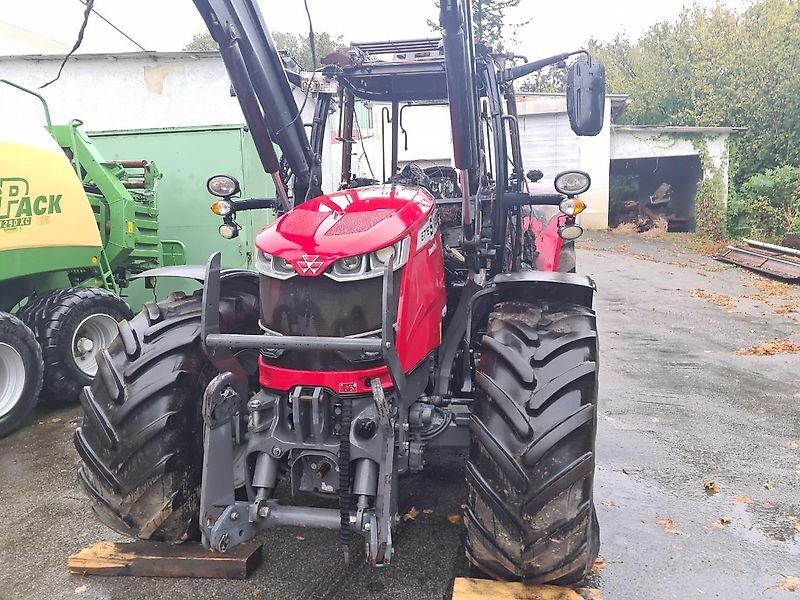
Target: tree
(551, 80)
(201, 42)
(297, 45)
(489, 21)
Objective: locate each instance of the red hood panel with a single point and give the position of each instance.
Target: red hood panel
(346, 223)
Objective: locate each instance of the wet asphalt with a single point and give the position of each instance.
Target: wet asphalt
(678, 408)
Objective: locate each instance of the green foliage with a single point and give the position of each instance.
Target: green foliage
(296, 44)
(551, 80)
(714, 67)
(621, 189)
(298, 47)
(710, 214)
(489, 21)
(767, 205)
(201, 42)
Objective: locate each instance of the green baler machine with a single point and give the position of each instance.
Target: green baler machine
(74, 229)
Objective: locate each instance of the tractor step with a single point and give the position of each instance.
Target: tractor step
(160, 559)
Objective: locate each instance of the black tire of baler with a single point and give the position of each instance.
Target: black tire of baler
(16, 334)
(53, 318)
(140, 442)
(530, 514)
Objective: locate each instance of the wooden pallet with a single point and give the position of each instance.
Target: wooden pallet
(159, 559)
(466, 588)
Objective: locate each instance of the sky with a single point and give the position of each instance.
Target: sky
(167, 25)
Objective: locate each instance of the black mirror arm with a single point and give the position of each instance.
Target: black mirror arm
(522, 70)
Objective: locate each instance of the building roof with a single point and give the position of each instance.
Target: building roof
(114, 56)
(677, 130)
(619, 102)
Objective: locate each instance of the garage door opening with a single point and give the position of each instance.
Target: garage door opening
(655, 192)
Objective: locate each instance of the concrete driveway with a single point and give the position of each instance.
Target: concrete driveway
(679, 408)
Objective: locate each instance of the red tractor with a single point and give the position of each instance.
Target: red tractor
(386, 321)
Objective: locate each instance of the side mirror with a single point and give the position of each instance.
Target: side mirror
(586, 97)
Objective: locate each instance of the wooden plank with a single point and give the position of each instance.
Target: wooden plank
(466, 588)
(159, 559)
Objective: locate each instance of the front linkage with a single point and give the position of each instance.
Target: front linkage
(225, 521)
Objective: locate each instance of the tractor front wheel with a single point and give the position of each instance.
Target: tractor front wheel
(73, 325)
(20, 373)
(530, 514)
(141, 440)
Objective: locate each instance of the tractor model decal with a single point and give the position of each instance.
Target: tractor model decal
(18, 206)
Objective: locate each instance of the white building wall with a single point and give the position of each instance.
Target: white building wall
(590, 154)
(132, 91)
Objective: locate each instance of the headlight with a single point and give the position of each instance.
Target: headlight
(365, 266)
(274, 266)
(572, 183)
(570, 231)
(222, 186)
(349, 266)
(229, 230)
(382, 256)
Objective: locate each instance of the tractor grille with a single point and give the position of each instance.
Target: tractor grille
(320, 306)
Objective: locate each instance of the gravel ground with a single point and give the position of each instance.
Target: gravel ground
(679, 408)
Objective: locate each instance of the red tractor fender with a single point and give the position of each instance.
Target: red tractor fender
(543, 224)
(564, 287)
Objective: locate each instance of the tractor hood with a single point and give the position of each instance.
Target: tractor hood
(346, 223)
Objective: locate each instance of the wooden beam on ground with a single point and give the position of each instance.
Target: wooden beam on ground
(159, 559)
(466, 588)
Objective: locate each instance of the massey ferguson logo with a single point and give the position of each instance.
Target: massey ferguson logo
(18, 206)
(311, 263)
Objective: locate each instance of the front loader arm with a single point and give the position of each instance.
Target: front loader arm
(261, 85)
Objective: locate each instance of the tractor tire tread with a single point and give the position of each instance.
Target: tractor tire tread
(530, 515)
(15, 333)
(140, 442)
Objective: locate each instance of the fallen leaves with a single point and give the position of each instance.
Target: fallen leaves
(711, 487)
(609, 504)
(771, 348)
(454, 519)
(743, 500)
(726, 302)
(590, 593)
(722, 522)
(599, 565)
(669, 526)
(789, 583)
(793, 445)
(412, 514)
(427, 511)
